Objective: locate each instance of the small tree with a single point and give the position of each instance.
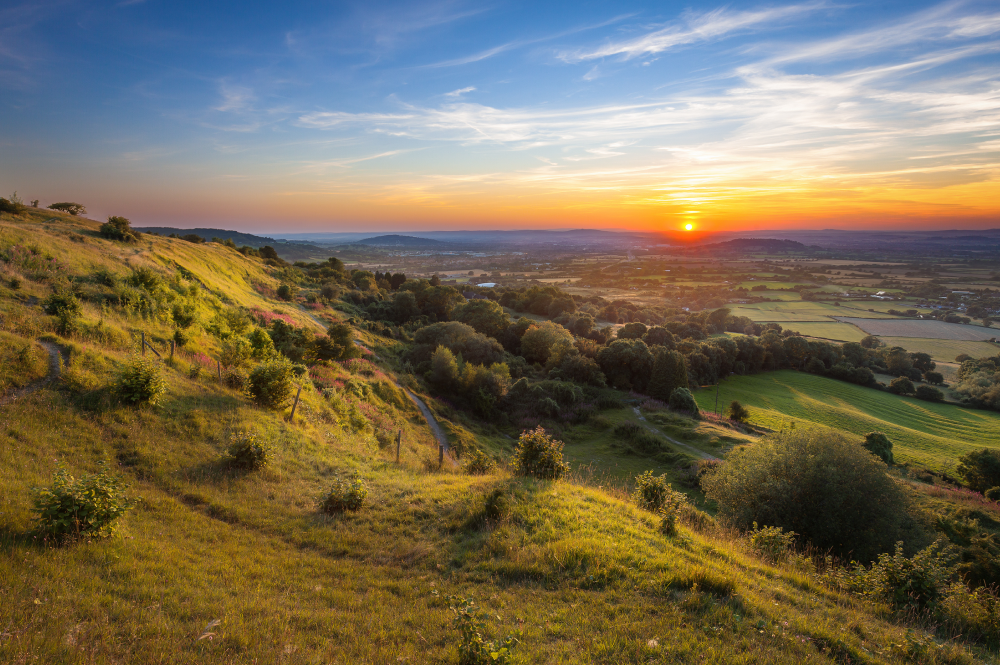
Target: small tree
(540, 456)
(737, 412)
(980, 469)
(878, 444)
(66, 308)
(248, 451)
(119, 228)
(901, 386)
(140, 381)
(871, 342)
(650, 491)
(681, 399)
(271, 383)
(69, 207)
(287, 292)
(928, 393)
(934, 377)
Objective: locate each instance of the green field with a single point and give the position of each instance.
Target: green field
(841, 332)
(944, 350)
(931, 435)
(798, 310)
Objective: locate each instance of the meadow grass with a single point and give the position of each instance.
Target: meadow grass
(923, 433)
(943, 350)
(840, 332)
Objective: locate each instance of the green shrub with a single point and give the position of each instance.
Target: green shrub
(271, 383)
(13, 205)
(236, 378)
(119, 228)
(539, 455)
(651, 491)
(287, 292)
(878, 444)
(772, 542)
(473, 647)
(918, 581)
(929, 394)
(140, 381)
(681, 399)
(901, 386)
(247, 451)
(84, 507)
(980, 469)
(674, 505)
(478, 463)
(737, 412)
(66, 308)
(345, 494)
(818, 483)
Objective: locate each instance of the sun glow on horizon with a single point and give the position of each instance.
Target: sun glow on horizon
(689, 226)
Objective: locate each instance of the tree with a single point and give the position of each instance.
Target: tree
(286, 292)
(681, 399)
(338, 344)
(669, 373)
(627, 364)
(878, 444)
(737, 412)
(901, 386)
(485, 316)
(444, 369)
(929, 394)
(119, 228)
(934, 377)
(193, 238)
(980, 469)
(632, 331)
(69, 207)
(871, 342)
(537, 343)
(268, 252)
(818, 483)
(435, 280)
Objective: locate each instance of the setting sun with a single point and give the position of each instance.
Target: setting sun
(688, 226)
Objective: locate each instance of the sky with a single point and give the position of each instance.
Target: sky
(394, 116)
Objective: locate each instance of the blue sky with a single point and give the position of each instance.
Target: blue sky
(339, 116)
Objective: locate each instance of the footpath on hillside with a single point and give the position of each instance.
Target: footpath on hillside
(54, 371)
(691, 449)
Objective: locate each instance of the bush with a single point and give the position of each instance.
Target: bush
(772, 542)
(651, 491)
(270, 383)
(918, 581)
(674, 504)
(345, 494)
(287, 292)
(248, 451)
(681, 399)
(140, 381)
(820, 484)
(235, 378)
(737, 412)
(540, 456)
(934, 377)
(119, 228)
(928, 393)
(86, 507)
(901, 385)
(66, 308)
(13, 205)
(473, 648)
(67, 206)
(980, 469)
(878, 444)
(478, 463)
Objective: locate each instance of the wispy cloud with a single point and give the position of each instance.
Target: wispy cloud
(695, 28)
(454, 94)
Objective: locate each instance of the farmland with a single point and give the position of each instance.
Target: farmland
(841, 332)
(926, 434)
(921, 328)
(943, 349)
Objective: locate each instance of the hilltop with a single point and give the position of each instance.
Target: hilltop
(402, 241)
(222, 563)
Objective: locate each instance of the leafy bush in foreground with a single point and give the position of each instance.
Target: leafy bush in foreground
(473, 648)
(820, 484)
(651, 491)
(140, 381)
(674, 503)
(248, 451)
(345, 494)
(270, 383)
(771, 542)
(478, 463)
(88, 506)
(539, 455)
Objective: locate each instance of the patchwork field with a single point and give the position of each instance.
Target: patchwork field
(943, 349)
(926, 434)
(840, 332)
(799, 310)
(921, 328)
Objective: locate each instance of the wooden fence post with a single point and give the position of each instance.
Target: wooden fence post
(218, 369)
(143, 345)
(440, 456)
(399, 439)
(297, 393)
(171, 349)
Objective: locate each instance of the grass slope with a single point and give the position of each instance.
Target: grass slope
(932, 435)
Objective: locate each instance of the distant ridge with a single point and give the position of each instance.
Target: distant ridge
(401, 241)
(236, 236)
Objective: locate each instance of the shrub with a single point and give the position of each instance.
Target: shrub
(820, 484)
(140, 381)
(270, 383)
(119, 228)
(934, 377)
(878, 444)
(478, 463)
(681, 399)
(286, 292)
(345, 494)
(651, 491)
(980, 469)
(737, 412)
(772, 542)
(66, 308)
(13, 205)
(901, 385)
(917, 581)
(928, 393)
(473, 647)
(674, 503)
(235, 378)
(247, 451)
(88, 506)
(539, 455)
(67, 206)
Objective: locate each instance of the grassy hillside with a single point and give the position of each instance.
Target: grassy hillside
(221, 565)
(927, 434)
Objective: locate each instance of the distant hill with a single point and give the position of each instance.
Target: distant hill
(236, 236)
(401, 241)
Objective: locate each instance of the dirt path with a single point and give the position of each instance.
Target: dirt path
(53, 374)
(684, 446)
(436, 429)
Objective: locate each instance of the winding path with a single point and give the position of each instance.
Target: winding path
(54, 371)
(691, 449)
(436, 429)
